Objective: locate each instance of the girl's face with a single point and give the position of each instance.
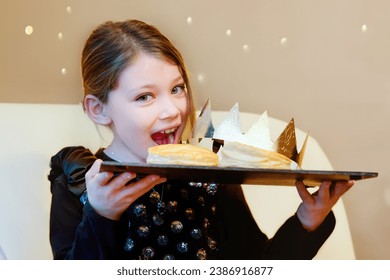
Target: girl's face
(149, 107)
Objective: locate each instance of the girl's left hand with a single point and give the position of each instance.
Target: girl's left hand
(315, 207)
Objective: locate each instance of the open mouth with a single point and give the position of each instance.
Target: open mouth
(164, 137)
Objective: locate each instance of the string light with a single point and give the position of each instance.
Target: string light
(201, 78)
(29, 30)
(283, 41)
(228, 33)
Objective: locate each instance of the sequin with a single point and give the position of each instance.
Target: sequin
(148, 252)
(213, 209)
(180, 224)
(158, 220)
(172, 206)
(168, 257)
(196, 233)
(84, 197)
(190, 214)
(211, 243)
(139, 210)
(195, 184)
(161, 207)
(129, 244)
(182, 247)
(143, 231)
(162, 240)
(201, 254)
(212, 189)
(206, 223)
(154, 197)
(201, 201)
(176, 226)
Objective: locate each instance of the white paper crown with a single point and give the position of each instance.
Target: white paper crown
(257, 136)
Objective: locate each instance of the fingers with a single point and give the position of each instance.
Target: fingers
(303, 192)
(108, 179)
(324, 190)
(122, 179)
(328, 191)
(101, 178)
(147, 183)
(94, 169)
(142, 186)
(322, 193)
(342, 187)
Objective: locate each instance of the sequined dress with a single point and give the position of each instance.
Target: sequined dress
(175, 220)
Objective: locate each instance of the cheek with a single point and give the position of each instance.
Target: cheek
(185, 111)
(136, 126)
(126, 123)
(185, 108)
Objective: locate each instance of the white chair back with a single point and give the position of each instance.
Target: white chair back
(32, 133)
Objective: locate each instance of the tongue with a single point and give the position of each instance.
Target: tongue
(162, 138)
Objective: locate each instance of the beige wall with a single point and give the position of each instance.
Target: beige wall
(325, 63)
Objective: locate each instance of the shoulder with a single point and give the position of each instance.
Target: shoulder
(71, 163)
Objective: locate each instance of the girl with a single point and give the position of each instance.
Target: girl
(135, 82)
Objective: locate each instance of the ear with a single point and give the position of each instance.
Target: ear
(96, 110)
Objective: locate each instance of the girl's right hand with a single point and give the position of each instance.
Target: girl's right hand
(110, 196)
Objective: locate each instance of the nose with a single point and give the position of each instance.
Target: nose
(169, 108)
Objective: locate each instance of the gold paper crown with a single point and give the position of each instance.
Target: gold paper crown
(258, 135)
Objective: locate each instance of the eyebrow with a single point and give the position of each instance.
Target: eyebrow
(174, 81)
(179, 78)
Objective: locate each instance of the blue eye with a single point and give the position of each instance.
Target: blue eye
(144, 97)
(179, 89)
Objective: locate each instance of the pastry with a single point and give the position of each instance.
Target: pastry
(241, 155)
(181, 154)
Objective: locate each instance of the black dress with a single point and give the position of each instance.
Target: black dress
(175, 220)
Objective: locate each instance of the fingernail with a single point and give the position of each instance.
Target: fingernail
(155, 177)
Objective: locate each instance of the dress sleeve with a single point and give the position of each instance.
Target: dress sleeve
(242, 239)
(76, 230)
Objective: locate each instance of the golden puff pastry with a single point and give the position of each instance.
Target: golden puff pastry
(181, 154)
(242, 155)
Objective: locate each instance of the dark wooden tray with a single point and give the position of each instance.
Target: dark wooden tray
(236, 175)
